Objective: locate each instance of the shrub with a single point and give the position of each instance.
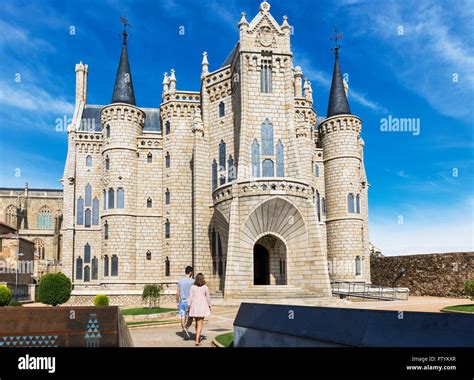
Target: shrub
(469, 288)
(15, 303)
(101, 300)
(152, 294)
(54, 289)
(5, 295)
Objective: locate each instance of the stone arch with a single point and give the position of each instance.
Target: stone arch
(218, 234)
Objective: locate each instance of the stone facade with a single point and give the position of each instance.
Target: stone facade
(236, 179)
(437, 274)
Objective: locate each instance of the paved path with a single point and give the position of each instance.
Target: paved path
(220, 322)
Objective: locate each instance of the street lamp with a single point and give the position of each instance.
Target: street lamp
(18, 254)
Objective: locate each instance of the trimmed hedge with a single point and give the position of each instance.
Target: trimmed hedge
(5, 295)
(15, 303)
(101, 300)
(54, 289)
(469, 288)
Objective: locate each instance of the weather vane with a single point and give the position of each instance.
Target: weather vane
(125, 23)
(336, 37)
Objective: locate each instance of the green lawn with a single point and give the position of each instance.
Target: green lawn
(465, 308)
(146, 310)
(225, 339)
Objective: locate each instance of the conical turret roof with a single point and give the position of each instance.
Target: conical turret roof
(123, 89)
(338, 103)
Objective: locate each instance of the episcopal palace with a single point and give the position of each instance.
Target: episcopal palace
(242, 179)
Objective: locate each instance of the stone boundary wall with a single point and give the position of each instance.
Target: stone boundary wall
(437, 274)
(117, 300)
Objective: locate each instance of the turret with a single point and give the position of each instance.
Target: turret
(81, 82)
(345, 198)
(172, 82)
(298, 75)
(308, 91)
(166, 84)
(204, 65)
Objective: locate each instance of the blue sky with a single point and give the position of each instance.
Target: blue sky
(405, 59)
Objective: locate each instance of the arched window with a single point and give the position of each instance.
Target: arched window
(80, 211)
(95, 268)
(89, 160)
(358, 266)
(267, 138)
(220, 265)
(149, 158)
(149, 203)
(104, 194)
(268, 168)
(45, 218)
(107, 131)
(79, 268)
(114, 269)
(266, 76)
(222, 159)
(167, 160)
(11, 216)
(87, 221)
(255, 158)
(87, 273)
(106, 230)
(111, 198)
(95, 212)
(167, 229)
(87, 253)
(350, 203)
(106, 265)
(107, 163)
(120, 198)
(148, 255)
(214, 174)
(280, 159)
(214, 251)
(39, 248)
(323, 201)
(318, 205)
(221, 109)
(230, 169)
(167, 267)
(88, 197)
(167, 128)
(167, 197)
(316, 170)
(358, 204)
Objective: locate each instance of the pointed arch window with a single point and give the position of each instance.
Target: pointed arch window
(149, 158)
(45, 218)
(80, 211)
(107, 163)
(120, 198)
(39, 248)
(167, 160)
(268, 168)
(267, 138)
(255, 158)
(167, 267)
(358, 204)
(167, 197)
(323, 202)
(87, 253)
(104, 194)
(167, 128)
(107, 131)
(230, 169)
(95, 268)
(350, 203)
(167, 229)
(358, 266)
(11, 216)
(89, 160)
(148, 255)
(111, 198)
(79, 268)
(222, 159)
(318, 205)
(106, 230)
(149, 203)
(316, 170)
(88, 217)
(266, 76)
(221, 109)
(214, 174)
(95, 212)
(115, 263)
(106, 265)
(88, 196)
(280, 159)
(87, 273)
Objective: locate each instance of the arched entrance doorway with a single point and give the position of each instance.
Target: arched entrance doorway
(269, 261)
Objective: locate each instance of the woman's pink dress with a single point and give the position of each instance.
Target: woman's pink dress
(199, 301)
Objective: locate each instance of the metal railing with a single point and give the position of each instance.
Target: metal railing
(361, 289)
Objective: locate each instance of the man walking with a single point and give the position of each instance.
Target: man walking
(182, 294)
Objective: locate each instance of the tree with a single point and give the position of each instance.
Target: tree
(469, 288)
(54, 289)
(152, 294)
(5, 295)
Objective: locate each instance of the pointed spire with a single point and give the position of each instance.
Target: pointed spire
(285, 25)
(338, 103)
(123, 89)
(243, 21)
(204, 65)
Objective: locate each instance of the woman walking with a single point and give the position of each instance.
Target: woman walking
(199, 304)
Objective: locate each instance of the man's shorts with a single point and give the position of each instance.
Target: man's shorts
(183, 308)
